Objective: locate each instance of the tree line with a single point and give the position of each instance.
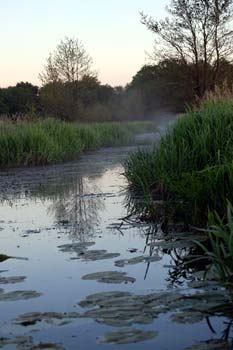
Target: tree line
(192, 55)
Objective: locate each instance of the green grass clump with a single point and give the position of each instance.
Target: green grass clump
(193, 164)
(219, 250)
(49, 141)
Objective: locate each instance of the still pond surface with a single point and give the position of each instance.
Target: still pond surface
(81, 277)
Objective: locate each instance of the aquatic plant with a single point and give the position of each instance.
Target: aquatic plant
(192, 167)
(49, 141)
(219, 250)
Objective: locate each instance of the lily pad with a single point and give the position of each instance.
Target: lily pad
(212, 344)
(125, 309)
(94, 255)
(126, 336)
(26, 343)
(18, 295)
(81, 249)
(187, 317)
(75, 247)
(22, 342)
(32, 318)
(103, 298)
(137, 260)
(12, 280)
(131, 261)
(109, 277)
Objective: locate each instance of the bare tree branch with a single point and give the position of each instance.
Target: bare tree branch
(197, 32)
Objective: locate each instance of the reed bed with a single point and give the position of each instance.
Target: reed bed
(193, 164)
(50, 141)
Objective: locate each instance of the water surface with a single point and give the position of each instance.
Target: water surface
(45, 208)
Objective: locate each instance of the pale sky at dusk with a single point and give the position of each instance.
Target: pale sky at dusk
(109, 29)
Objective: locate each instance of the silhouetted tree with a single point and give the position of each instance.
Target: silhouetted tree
(163, 87)
(199, 34)
(69, 64)
(20, 99)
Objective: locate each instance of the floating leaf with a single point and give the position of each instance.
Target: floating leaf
(126, 336)
(26, 343)
(18, 295)
(75, 247)
(32, 318)
(125, 309)
(109, 277)
(131, 261)
(12, 280)
(187, 317)
(94, 255)
(137, 260)
(212, 344)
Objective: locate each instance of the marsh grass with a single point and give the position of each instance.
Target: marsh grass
(193, 164)
(219, 250)
(49, 141)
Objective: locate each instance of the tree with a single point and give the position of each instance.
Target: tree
(68, 63)
(199, 34)
(163, 87)
(95, 100)
(65, 68)
(20, 99)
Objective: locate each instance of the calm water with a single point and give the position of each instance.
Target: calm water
(44, 208)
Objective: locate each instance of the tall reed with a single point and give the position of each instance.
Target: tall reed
(219, 250)
(193, 163)
(48, 141)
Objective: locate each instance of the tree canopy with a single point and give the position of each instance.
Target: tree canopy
(199, 34)
(68, 63)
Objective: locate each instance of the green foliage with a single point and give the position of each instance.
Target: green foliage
(50, 141)
(89, 100)
(220, 249)
(163, 86)
(75, 100)
(193, 164)
(22, 98)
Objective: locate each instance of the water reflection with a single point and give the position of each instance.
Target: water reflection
(188, 273)
(73, 193)
(78, 201)
(47, 182)
(78, 209)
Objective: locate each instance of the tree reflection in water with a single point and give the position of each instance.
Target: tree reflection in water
(77, 210)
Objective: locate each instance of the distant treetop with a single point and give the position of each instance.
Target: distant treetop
(68, 63)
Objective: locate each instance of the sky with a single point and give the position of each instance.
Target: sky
(110, 30)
